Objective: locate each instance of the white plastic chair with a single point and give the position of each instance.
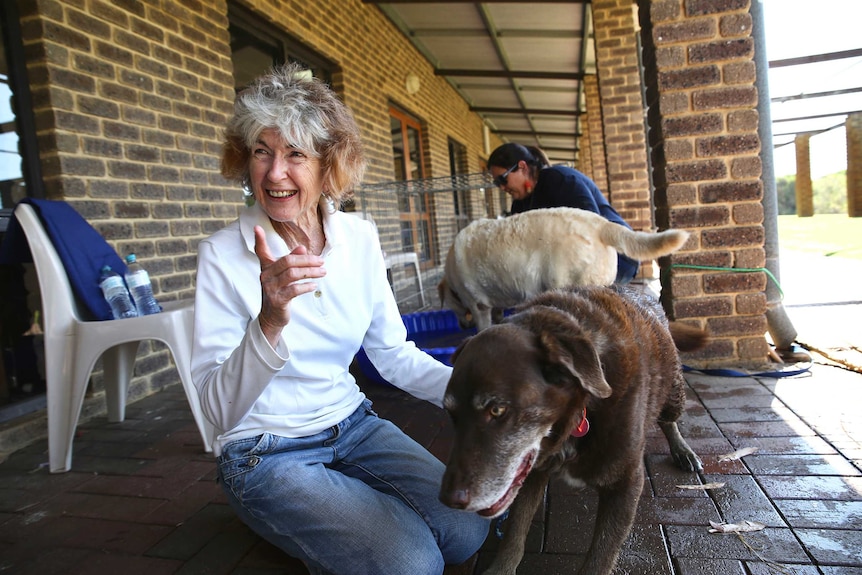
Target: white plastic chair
(406, 259)
(73, 344)
(399, 258)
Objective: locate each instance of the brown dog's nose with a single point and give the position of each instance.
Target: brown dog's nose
(455, 498)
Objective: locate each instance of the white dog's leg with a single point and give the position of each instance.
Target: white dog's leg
(482, 318)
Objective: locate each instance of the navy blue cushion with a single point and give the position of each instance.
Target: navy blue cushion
(82, 250)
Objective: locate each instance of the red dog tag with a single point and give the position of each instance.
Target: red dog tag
(583, 427)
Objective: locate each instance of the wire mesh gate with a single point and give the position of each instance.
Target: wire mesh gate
(417, 221)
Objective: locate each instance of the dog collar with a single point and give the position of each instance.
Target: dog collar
(583, 427)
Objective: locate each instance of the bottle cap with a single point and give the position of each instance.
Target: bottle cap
(130, 259)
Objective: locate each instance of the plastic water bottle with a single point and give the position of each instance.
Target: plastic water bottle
(116, 294)
(139, 284)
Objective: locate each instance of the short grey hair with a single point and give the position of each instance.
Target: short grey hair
(308, 116)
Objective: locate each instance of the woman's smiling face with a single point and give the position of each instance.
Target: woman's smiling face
(286, 182)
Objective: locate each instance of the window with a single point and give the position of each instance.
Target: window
(252, 55)
(256, 46)
(22, 386)
(414, 209)
(20, 174)
(458, 165)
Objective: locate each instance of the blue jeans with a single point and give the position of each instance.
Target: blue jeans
(358, 498)
(627, 269)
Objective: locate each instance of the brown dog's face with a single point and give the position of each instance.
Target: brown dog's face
(511, 394)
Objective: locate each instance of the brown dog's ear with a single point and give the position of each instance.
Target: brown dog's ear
(458, 349)
(577, 356)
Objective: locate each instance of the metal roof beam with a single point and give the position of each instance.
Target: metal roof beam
(477, 33)
(815, 95)
(558, 149)
(812, 132)
(816, 58)
(532, 74)
(817, 117)
(538, 134)
(536, 112)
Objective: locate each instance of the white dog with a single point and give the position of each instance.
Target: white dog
(496, 264)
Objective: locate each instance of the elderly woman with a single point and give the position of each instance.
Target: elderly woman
(285, 296)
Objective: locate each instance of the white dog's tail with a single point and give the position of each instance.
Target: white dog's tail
(643, 245)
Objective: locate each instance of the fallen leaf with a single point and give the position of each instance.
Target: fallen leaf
(744, 527)
(702, 486)
(738, 454)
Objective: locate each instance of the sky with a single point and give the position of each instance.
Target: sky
(802, 28)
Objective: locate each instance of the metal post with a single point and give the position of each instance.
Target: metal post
(778, 323)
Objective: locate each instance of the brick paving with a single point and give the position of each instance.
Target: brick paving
(142, 498)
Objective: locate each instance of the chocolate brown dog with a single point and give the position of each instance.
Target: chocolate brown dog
(569, 384)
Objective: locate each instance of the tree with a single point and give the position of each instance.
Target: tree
(830, 194)
(786, 190)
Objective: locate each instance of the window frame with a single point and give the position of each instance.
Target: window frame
(22, 106)
(460, 198)
(286, 48)
(414, 210)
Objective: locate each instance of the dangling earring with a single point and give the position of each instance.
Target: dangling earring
(245, 184)
(528, 186)
(330, 204)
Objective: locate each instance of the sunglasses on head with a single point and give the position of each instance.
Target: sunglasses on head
(501, 180)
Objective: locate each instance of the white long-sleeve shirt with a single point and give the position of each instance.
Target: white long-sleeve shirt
(303, 386)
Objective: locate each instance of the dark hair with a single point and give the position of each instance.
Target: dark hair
(511, 153)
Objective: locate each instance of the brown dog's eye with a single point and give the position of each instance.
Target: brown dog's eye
(497, 411)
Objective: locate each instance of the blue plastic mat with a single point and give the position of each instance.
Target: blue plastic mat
(435, 332)
(438, 334)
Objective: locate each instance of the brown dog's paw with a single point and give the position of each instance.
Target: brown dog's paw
(683, 455)
(686, 459)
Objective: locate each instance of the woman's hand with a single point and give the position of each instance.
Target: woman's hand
(281, 280)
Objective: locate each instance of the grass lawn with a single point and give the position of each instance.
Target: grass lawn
(826, 234)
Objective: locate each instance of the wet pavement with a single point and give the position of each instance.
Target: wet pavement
(823, 299)
(142, 497)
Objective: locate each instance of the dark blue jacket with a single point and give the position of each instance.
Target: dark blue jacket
(561, 186)
(81, 248)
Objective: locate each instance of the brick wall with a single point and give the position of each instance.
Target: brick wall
(622, 108)
(127, 103)
(130, 98)
(705, 154)
(585, 154)
(597, 132)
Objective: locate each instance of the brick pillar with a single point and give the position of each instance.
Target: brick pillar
(597, 132)
(703, 120)
(804, 191)
(585, 156)
(623, 111)
(853, 127)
